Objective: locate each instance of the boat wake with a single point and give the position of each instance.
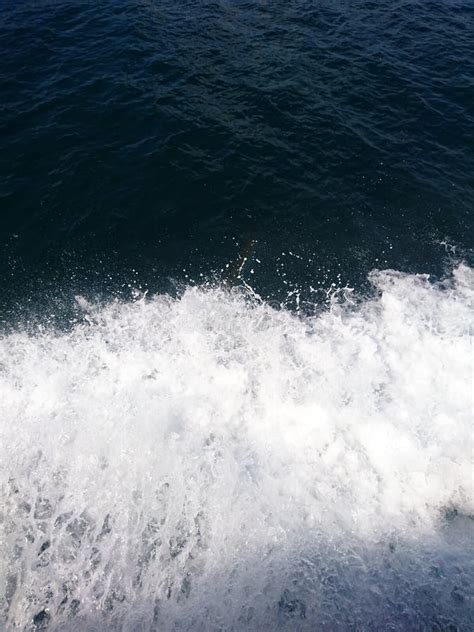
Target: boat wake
(212, 463)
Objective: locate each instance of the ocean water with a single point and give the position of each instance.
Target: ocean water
(237, 285)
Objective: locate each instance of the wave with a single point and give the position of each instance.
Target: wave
(209, 462)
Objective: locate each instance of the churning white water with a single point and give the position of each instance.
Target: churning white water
(211, 463)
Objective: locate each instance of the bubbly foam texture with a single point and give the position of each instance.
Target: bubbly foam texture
(212, 463)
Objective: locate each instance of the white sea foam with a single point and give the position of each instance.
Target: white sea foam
(211, 463)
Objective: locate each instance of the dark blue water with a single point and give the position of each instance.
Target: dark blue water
(151, 140)
(195, 459)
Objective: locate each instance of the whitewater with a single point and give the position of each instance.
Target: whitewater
(211, 462)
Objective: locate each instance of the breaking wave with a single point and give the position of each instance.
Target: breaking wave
(209, 462)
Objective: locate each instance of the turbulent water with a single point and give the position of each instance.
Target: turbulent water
(202, 427)
(211, 462)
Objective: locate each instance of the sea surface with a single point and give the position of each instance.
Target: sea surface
(236, 306)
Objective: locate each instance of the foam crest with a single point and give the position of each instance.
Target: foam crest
(209, 463)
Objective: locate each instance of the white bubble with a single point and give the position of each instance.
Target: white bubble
(210, 462)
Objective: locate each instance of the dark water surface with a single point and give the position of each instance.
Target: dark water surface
(145, 138)
(194, 460)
